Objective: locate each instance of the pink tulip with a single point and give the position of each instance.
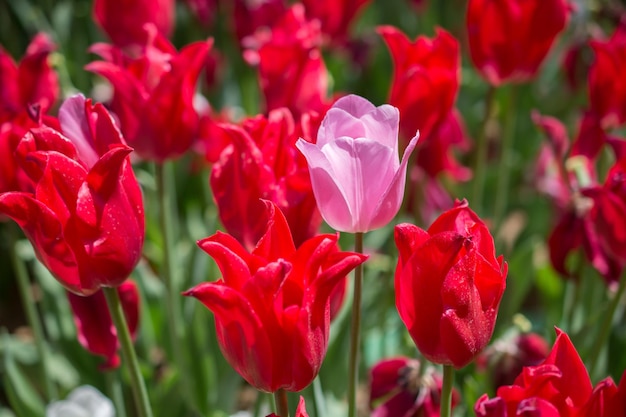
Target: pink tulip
(357, 178)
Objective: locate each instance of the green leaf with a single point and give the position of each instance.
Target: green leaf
(21, 394)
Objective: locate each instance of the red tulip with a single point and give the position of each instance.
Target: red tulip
(30, 82)
(292, 73)
(607, 87)
(262, 162)
(85, 216)
(154, 94)
(425, 79)
(509, 39)
(449, 285)
(607, 399)
(560, 386)
(124, 20)
(398, 388)
(272, 305)
(335, 16)
(94, 326)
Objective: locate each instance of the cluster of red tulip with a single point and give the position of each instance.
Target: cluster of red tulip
(68, 178)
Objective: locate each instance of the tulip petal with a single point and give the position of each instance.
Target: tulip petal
(45, 232)
(239, 328)
(389, 203)
(235, 271)
(328, 193)
(76, 127)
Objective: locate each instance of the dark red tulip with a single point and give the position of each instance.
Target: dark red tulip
(272, 306)
(85, 214)
(123, 20)
(154, 94)
(263, 162)
(509, 39)
(449, 284)
(559, 386)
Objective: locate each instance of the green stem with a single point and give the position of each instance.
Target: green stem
(318, 397)
(282, 404)
(172, 298)
(114, 390)
(572, 295)
(504, 167)
(605, 329)
(258, 403)
(480, 155)
(140, 394)
(446, 391)
(31, 315)
(355, 330)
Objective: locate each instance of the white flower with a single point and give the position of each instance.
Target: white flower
(84, 401)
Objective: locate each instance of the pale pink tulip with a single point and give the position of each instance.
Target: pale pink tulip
(357, 178)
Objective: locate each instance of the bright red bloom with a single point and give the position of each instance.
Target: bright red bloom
(509, 39)
(124, 20)
(425, 79)
(85, 215)
(272, 305)
(262, 162)
(607, 400)
(292, 73)
(449, 285)
(607, 87)
(397, 388)
(335, 16)
(32, 81)
(94, 326)
(560, 386)
(154, 94)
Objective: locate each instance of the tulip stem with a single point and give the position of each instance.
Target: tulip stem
(282, 404)
(480, 156)
(140, 394)
(31, 315)
(355, 330)
(446, 391)
(114, 390)
(504, 167)
(605, 330)
(176, 332)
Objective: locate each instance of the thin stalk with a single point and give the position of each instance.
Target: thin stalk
(355, 330)
(573, 293)
(480, 155)
(172, 298)
(31, 315)
(258, 404)
(605, 329)
(114, 390)
(504, 167)
(318, 397)
(282, 403)
(446, 391)
(140, 394)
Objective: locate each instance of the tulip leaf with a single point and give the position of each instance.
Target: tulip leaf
(5, 412)
(21, 394)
